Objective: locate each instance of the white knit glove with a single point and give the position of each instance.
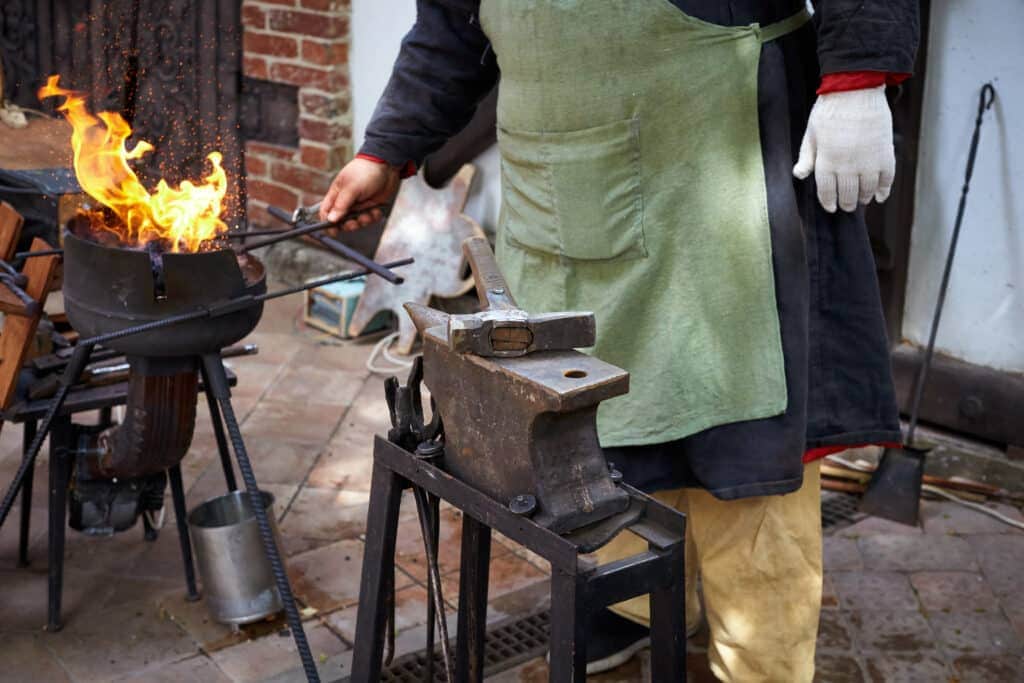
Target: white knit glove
(848, 145)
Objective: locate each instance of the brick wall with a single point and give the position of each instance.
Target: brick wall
(302, 43)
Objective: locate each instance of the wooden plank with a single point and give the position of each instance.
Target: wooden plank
(10, 230)
(19, 331)
(9, 303)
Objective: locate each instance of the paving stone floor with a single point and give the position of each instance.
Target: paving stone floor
(941, 602)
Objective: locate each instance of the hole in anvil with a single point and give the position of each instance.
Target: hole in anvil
(575, 374)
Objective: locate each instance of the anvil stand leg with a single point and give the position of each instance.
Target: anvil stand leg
(473, 580)
(218, 432)
(61, 458)
(570, 615)
(28, 435)
(378, 564)
(181, 517)
(668, 622)
(218, 382)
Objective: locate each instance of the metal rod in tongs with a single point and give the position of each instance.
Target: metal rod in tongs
(351, 254)
(334, 245)
(303, 229)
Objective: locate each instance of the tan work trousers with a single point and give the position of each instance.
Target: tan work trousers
(760, 564)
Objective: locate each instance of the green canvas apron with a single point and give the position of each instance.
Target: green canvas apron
(633, 186)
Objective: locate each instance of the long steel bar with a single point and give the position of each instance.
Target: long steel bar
(985, 100)
(351, 254)
(217, 376)
(231, 305)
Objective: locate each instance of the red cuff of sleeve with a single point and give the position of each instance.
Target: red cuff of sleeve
(858, 80)
(406, 170)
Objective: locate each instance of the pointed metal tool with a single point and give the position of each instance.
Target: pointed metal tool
(894, 491)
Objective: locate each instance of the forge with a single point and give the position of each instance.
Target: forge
(108, 288)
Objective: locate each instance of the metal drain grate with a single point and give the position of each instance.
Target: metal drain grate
(839, 510)
(508, 644)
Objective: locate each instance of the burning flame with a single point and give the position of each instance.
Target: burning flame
(185, 216)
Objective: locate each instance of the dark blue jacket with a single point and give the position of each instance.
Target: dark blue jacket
(445, 66)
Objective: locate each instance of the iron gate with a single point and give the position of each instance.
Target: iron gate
(172, 67)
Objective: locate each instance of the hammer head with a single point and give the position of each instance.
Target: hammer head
(501, 329)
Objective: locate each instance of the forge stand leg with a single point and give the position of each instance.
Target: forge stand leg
(178, 497)
(569, 619)
(218, 432)
(218, 382)
(28, 435)
(378, 564)
(61, 457)
(473, 580)
(77, 363)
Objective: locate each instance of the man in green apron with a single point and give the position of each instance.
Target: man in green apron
(648, 151)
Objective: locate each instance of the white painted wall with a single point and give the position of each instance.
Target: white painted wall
(378, 27)
(972, 41)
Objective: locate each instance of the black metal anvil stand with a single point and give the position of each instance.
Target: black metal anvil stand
(578, 589)
(519, 454)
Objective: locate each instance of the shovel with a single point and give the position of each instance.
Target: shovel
(894, 491)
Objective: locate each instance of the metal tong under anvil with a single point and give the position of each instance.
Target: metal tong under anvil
(519, 403)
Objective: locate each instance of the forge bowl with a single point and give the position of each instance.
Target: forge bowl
(108, 289)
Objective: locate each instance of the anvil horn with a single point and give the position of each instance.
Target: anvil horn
(424, 317)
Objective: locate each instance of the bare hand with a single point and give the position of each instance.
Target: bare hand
(360, 185)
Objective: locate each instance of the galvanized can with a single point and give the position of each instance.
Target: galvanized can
(238, 584)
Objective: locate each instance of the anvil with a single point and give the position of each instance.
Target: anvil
(519, 403)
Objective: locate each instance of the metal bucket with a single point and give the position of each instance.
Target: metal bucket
(238, 584)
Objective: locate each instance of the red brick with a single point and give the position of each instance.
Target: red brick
(300, 178)
(325, 5)
(324, 131)
(266, 44)
(253, 17)
(255, 67)
(304, 76)
(328, 54)
(256, 211)
(255, 165)
(274, 151)
(325, 106)
(320, 158)
(308, 23)
(271, 193)
(287, 3)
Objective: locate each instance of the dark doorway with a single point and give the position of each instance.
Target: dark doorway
(171, 67)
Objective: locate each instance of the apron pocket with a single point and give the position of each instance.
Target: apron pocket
(575, 194)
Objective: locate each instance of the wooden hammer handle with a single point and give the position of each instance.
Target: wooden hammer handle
(490, 283)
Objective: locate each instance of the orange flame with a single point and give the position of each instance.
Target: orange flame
(186, 216)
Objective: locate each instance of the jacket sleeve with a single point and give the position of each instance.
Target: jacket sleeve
(867, 35)
(444, 69)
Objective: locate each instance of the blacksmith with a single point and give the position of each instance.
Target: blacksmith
(649, 149)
